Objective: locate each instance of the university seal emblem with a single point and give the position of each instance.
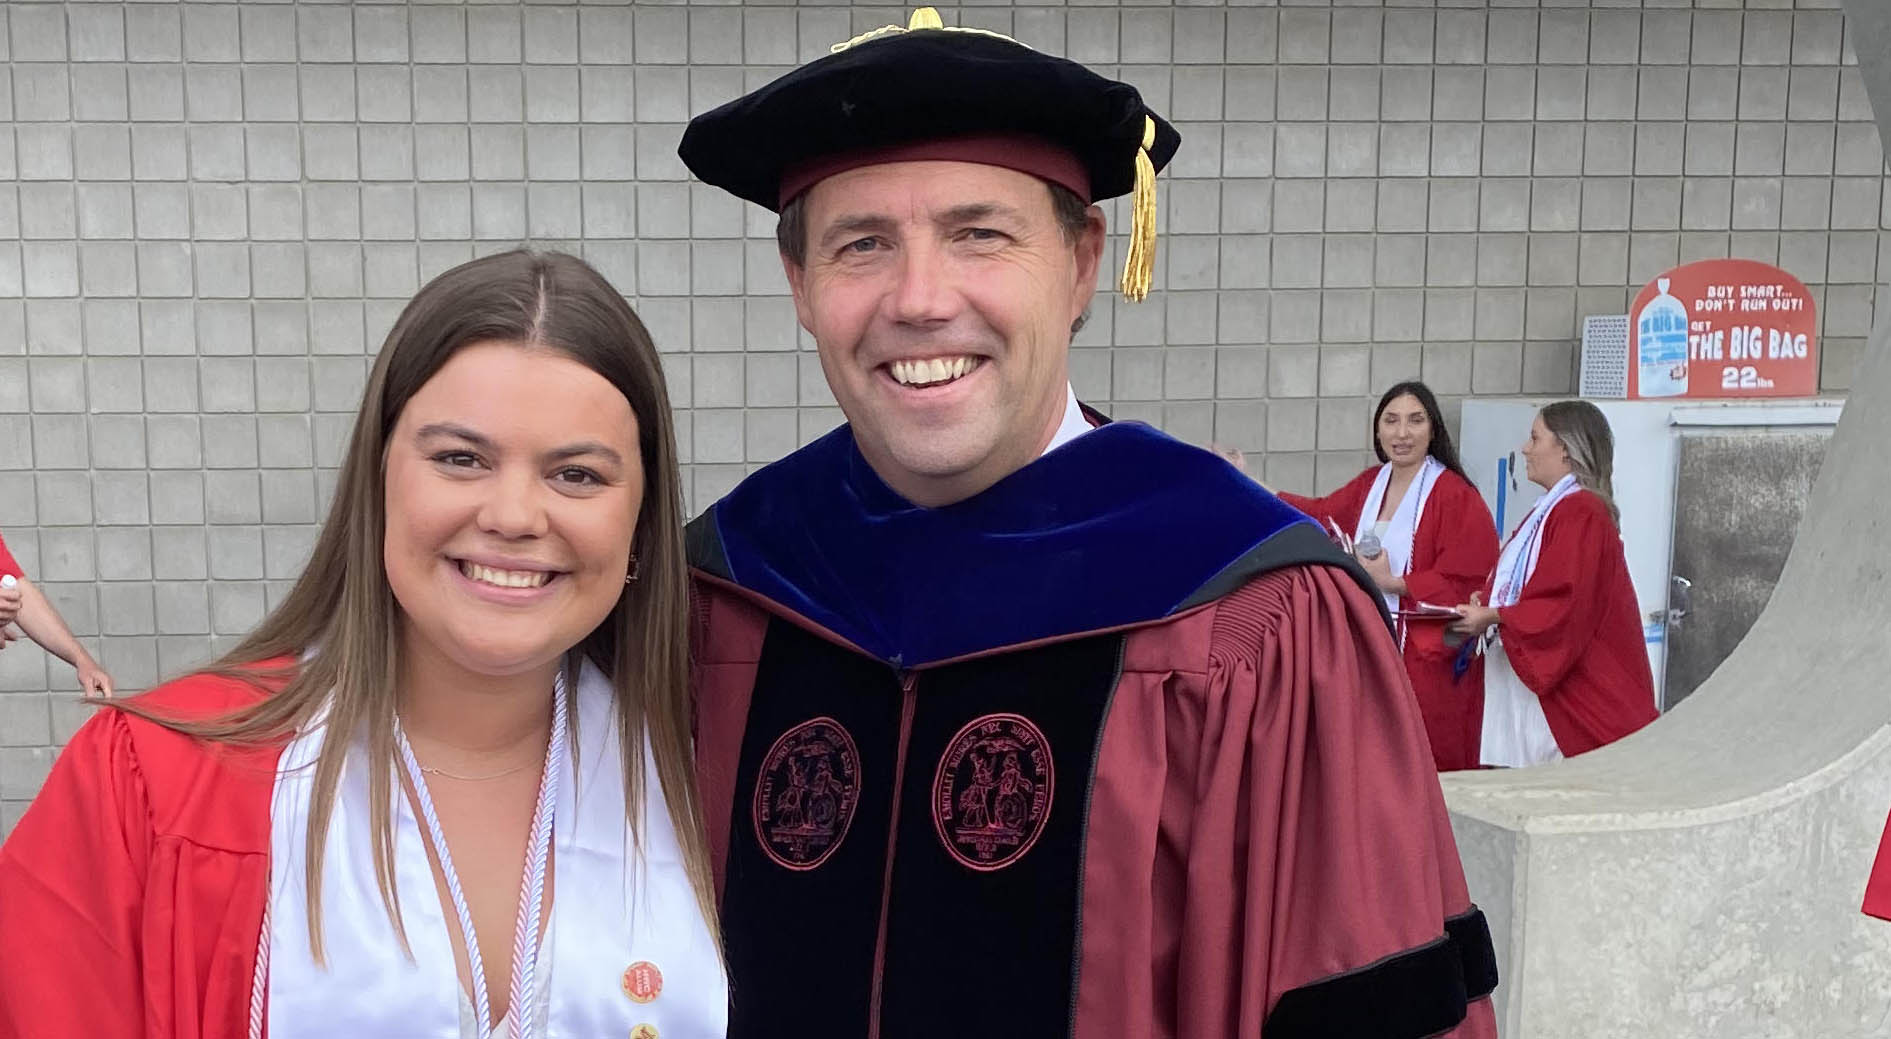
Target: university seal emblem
(806, 792)
(992, 793)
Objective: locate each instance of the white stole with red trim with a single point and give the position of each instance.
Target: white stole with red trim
(1516, 733)
(611, 909)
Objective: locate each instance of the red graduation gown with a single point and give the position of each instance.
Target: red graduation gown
(8, 565)
(132, 892)
(1878, 888)
(1453, 551)
(1575, 633)
(1263, 840)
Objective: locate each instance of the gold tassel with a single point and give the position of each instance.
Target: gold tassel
(925, 18)
(1140, 267)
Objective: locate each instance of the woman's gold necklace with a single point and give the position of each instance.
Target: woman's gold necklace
(469, 779)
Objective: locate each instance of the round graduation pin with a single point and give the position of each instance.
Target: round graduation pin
(643, 982)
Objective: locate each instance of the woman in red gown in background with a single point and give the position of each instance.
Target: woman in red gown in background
(1565, 668)
(1439, 542)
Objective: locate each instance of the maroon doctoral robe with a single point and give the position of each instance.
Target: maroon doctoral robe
(1220, 820)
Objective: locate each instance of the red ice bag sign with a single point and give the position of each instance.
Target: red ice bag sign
(1723, 328)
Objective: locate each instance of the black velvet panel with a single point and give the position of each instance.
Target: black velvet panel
(1411, 995)
(801, 941)
(1471, 934)
(975, 950)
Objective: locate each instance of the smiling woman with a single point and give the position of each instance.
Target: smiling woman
(428, 791)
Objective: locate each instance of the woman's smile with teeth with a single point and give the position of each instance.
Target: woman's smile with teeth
(931, 371)
(505, 578)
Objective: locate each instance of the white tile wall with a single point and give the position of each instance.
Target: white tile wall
(210, 214)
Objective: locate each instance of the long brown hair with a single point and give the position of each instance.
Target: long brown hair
(1584, 432)
(1441, 447)
(343, 613)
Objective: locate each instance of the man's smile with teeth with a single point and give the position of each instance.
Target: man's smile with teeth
(932, 371)
(505, 578)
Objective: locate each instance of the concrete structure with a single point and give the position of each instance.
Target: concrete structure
(1702, 878)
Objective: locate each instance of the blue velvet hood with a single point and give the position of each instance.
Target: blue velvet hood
(1122, 526)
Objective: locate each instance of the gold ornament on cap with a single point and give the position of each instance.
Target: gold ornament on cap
(923, 18)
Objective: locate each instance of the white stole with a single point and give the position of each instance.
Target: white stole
(1404, 524)
(610, 909)
(1515, 731)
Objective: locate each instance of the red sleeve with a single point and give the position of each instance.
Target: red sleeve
(1343, 908)
(1878, 888)
(8, 564)
(1342, 506)
(72, 894)
(1557, 615)
(1457, 544)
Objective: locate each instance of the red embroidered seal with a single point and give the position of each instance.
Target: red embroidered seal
(806, 792)
(992, 793)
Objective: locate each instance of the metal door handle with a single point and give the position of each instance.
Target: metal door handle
(1680, 598)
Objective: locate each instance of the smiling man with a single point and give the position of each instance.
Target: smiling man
(1012, 721)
